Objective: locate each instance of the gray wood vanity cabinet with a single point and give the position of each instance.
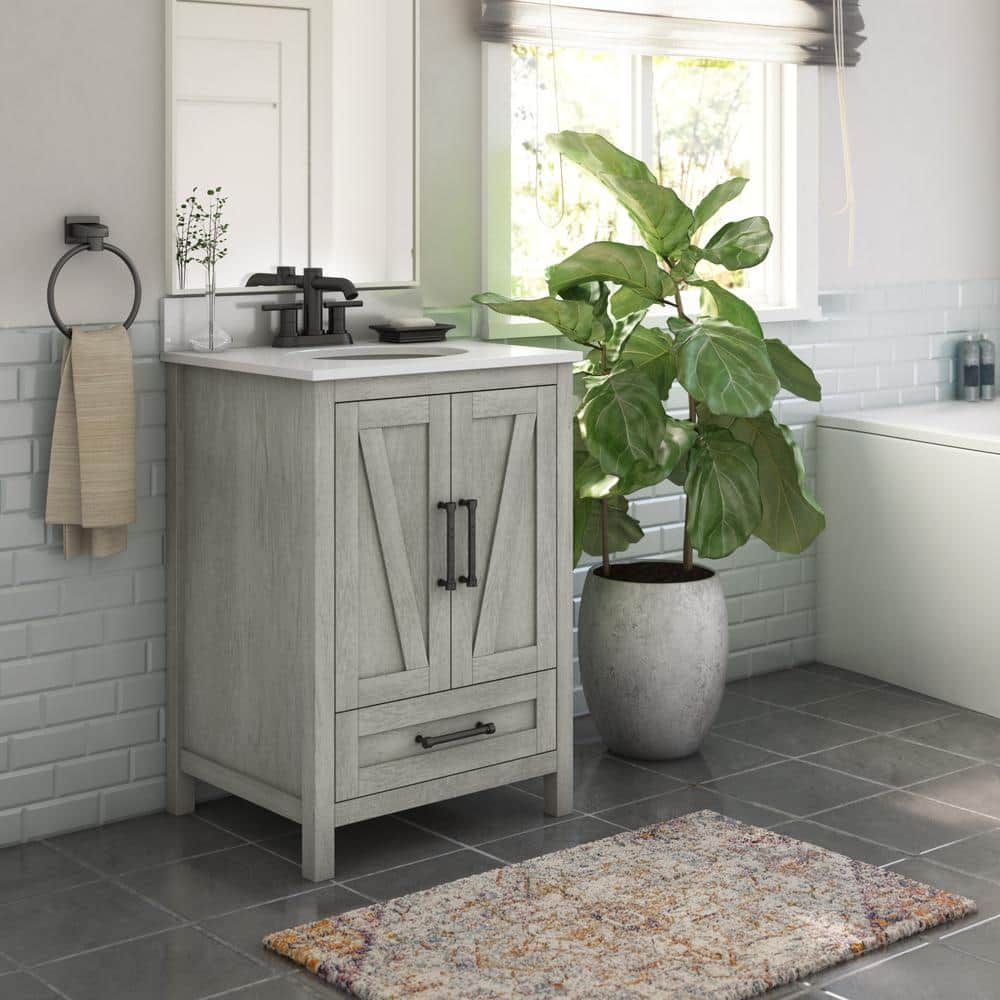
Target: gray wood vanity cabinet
(317, 650)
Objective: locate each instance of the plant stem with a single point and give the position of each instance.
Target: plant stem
(693, 417)
(605, 547)
(688, 550)
(605, 555)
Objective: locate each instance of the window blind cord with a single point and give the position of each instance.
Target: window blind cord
(538, 137)
(840, 58)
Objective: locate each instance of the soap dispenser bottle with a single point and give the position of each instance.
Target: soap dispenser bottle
(987, 367)
(969, 363)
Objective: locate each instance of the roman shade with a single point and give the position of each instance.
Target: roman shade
(787, 31)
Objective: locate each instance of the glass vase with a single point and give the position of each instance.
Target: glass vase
(213, 337)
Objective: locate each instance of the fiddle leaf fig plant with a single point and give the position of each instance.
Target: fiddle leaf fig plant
(741, 470)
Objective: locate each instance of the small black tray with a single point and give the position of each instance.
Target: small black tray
(418, 335)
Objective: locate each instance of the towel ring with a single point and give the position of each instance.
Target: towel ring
(88, 233)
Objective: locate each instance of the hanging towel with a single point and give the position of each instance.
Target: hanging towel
(92, 468)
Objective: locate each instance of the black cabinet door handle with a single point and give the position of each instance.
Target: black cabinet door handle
(470, 580)
(449, 582)
(479, 729)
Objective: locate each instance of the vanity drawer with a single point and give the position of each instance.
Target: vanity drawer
(378, 749)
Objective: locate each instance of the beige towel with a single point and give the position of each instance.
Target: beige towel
(92, 469)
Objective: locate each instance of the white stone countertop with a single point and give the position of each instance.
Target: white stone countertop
(317, 364)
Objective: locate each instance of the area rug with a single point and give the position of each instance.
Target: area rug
(699, 907)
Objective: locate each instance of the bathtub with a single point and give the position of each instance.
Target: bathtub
(909, 566)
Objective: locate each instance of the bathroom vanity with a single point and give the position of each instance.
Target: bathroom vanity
(369, 578)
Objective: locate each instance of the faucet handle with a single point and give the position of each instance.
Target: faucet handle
(335, 318)
(287, 311)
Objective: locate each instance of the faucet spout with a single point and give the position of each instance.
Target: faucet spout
(283, 276)
(342, 285)
(261, 278)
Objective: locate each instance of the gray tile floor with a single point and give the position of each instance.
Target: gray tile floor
(174, 908)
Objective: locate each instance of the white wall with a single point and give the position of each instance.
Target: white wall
(450, 142)
(81, 128)
(924, 107)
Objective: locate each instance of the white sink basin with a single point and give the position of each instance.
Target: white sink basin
(385, 352)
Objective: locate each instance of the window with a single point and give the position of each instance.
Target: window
(694, 121)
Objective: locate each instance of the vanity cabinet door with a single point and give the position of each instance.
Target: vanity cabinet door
(392, 619)
(504, 458)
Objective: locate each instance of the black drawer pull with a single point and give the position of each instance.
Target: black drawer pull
(449, 581)
(470, 580)
(479, 729)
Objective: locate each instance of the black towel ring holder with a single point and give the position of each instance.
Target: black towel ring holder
(86, 232)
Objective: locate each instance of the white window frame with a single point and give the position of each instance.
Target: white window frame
(791, 201)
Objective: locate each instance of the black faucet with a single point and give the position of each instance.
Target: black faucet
(313, 284)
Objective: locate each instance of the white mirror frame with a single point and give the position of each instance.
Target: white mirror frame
(321, 76)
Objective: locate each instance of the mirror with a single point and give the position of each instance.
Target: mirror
(301, 115)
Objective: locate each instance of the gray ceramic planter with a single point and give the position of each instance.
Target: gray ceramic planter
(653, 658)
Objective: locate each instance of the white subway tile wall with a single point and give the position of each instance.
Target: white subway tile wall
(82, 646)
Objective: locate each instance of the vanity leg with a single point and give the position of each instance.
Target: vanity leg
(558, 789)
(180, 786)
(318, 783)
(180, 790)
(319, 743)
(559, 785)
(317, 851)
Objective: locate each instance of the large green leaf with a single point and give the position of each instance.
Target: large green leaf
(626, 309)
(793, 373)
(661, 217)
(627, 302)
(678, 439)
(634, 267)
(791, 518)
(573, 319)
(622, 421)
(590, 481)
(652, 352)
(742, 244)
(683, 263)
(725, 366)
(594, 153)
(723, 493)
(720, 195)
(594, 293)
(721, 303)
(623, 530)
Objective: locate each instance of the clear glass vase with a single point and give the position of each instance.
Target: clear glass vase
(213, 337)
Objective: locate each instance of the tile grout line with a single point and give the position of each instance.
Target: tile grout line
(455, 840)
(181, 921)
(969, 927)
(234, 990)
(900, 734)
(55, 989)
(968, 954)
(874, 965)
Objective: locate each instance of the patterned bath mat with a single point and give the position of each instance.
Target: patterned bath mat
(700, 907)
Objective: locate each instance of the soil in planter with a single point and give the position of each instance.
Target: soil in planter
(654, 572)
